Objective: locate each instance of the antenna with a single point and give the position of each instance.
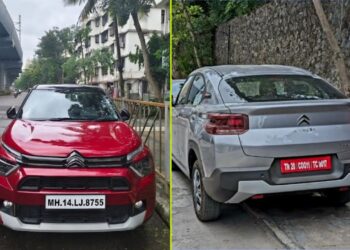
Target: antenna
(19, 29)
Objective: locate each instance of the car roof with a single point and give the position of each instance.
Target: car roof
(247, 70)
(65, 86)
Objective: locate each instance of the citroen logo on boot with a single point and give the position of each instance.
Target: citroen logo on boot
(303, 120)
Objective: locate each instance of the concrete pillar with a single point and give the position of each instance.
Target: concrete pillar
(2, 76)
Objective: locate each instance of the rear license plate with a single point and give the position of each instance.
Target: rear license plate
(308, 164)
(75, 202)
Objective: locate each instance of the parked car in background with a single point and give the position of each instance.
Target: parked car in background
(69, 163)
(242, 132)
(177, 85)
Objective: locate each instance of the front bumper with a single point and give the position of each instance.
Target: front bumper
(15, 224)
(34, 217)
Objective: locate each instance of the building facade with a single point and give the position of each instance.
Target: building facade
(102, 36)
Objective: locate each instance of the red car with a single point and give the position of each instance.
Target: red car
(69, 163)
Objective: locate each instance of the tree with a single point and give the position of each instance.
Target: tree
(112, 7)
(82, 35)
(122, 9)
(194, 27)
(158, 47)
(338, 56)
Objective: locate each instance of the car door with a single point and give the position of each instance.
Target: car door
(187, 116)
(180, 102)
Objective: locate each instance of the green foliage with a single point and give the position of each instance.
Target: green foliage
(205, 16)
(58, 62)
(158, 46)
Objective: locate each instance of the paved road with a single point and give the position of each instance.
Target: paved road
(301, 222)
(154, 235)
(235, 229)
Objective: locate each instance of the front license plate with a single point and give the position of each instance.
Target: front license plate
(308, 164)
(75, 202)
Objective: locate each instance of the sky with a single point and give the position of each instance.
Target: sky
(39, 16)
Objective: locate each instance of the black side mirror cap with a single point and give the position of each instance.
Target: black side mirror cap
(125, 115)
(11, 113)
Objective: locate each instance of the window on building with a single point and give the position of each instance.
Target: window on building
(105, 70)
(111, 70)
(97, 71)
(112, 48)
(97, 39)
(105, 19)
(88, 24)
(97, 21)
(163, 17)
(122, 40)
(111, 31)
(104, 36)
(88, 42)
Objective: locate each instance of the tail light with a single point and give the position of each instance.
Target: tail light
(227, 124)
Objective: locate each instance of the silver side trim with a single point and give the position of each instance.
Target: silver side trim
(15, 224)
(247, 189)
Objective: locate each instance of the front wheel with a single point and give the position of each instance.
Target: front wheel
(205, 207)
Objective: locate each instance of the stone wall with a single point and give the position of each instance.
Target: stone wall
(286, 32)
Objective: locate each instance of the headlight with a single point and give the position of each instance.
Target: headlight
(131, 155)
(143, 167)
(7, 168)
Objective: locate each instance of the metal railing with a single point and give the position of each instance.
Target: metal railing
(151, 121)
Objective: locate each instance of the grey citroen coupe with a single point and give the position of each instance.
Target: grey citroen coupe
(246, 131)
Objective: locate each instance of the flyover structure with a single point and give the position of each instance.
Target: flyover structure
(10, 49)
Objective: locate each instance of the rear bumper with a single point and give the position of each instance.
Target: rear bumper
(227, 186)
(15, 224)
(247, 189)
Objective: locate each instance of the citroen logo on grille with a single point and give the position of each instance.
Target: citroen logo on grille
(75, 160)
(303, 120)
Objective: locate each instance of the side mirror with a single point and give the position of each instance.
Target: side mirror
(11, 113)
(125, 115)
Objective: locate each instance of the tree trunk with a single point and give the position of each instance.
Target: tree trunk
(333, 43)
(146, 57)
(119, 56)
(82, 57)
(193, 36)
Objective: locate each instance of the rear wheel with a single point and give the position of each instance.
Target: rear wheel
(337, 197)
(205, 207)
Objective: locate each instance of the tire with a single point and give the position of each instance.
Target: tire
(336, 197)
(205, 207)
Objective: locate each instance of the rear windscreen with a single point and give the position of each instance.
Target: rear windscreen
(276, 88)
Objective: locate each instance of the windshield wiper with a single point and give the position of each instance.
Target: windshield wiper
(104, 119)
(60, 119)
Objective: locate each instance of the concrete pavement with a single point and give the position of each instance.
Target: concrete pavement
(235, 230)
(287, 221)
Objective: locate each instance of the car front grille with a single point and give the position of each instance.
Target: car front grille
(74, 183)
(38, 214)
(60, 162)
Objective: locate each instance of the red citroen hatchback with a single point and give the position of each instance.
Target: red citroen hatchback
(69, 163)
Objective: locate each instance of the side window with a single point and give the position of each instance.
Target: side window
(182, 98)
(196, 92)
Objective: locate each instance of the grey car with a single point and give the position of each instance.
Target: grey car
(247, 131)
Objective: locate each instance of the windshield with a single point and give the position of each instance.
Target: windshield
(278, 88)
(68, 104)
